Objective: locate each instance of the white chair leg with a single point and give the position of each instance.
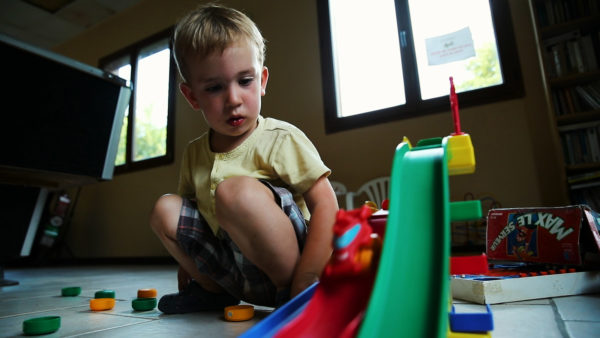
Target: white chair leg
(349, 201)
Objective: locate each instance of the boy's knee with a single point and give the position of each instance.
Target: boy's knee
(234, 189)
(165, 209)
(237, 193)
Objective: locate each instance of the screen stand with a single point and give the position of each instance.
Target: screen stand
(6, 282)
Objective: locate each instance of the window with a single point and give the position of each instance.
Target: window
(147, 136)
(385, 60)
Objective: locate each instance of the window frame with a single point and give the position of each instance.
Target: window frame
(511, 88)
(132, 52)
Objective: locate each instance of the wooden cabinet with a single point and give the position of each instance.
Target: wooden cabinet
(568, 35)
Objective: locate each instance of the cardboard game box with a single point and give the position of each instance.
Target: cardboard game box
(535, 238)
(559, 235)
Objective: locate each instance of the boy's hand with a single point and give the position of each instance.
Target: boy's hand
(302, 282)
(183, 278)
(322, 204)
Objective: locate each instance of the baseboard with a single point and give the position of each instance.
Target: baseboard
(28, 262)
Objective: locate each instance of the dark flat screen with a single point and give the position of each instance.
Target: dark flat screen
(58, 115)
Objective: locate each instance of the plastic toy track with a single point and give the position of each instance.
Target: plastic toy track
(143, 304)
(41, 325)
(71, 291)
(238, 313)
(419, 211)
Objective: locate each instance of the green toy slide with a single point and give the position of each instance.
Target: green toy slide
(411, 291)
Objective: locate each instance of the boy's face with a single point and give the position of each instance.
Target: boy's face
(227, 87)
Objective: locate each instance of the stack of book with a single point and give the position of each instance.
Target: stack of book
(569, 53)
(576, 99)
(580, 142)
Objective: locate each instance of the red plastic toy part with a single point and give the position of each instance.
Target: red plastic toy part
(352, 243)
(385, 205)
(454, 106)
(337, 307)
(469, 265)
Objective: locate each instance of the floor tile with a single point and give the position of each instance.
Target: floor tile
(38, 294)
(580, 329)
(584, 307)
(206, 324)
(39, 289)
(525, 321)
(74, 321)
(36, 304)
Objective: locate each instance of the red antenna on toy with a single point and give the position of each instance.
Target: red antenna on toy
(454, 106)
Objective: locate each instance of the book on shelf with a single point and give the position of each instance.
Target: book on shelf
(588, 193)
(594, 90)
(569, 100)
(569, 53)
(557, 52)
(581, 142)
(568, 148)
(575, 57)
(588, 53)
(589, 96)
(592, 135)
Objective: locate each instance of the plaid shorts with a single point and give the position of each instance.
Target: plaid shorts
(220, 258)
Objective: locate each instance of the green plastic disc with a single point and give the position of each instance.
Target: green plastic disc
(143, 304)
(41, 325)
(105, 294)
(71, 291)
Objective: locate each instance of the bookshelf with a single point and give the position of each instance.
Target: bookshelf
(568, 35)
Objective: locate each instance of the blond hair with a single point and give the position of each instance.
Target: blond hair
(210, 28)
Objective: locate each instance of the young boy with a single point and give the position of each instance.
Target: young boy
(237, 226)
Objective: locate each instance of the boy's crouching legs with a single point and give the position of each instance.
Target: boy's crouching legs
(198, 295)
(247, 211)
(164, 219)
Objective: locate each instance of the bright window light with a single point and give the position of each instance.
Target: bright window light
(151, 104)
(478, 71)
(368, 66)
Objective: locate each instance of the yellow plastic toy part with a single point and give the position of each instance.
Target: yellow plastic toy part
(452, 334)
(461, 155)
(238, 313)
(101, 304)
(406, 140)
(372, 205)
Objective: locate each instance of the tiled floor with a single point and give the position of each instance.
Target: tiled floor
(38, 294)
(39, 289)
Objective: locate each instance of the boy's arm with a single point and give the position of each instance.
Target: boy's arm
(322, 204)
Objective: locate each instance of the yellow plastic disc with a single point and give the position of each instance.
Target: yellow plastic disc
(101, 304)
(238, 313)
(147, 293)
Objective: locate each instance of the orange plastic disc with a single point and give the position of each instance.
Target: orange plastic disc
(238, 313)
(101, 304)
(147, 293)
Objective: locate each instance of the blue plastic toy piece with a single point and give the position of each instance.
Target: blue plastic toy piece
(471, 322)
(269, 326)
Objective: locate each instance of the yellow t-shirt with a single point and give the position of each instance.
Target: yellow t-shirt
(276, 151)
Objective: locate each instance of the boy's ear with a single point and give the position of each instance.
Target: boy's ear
(264, 77)
(189, 95)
